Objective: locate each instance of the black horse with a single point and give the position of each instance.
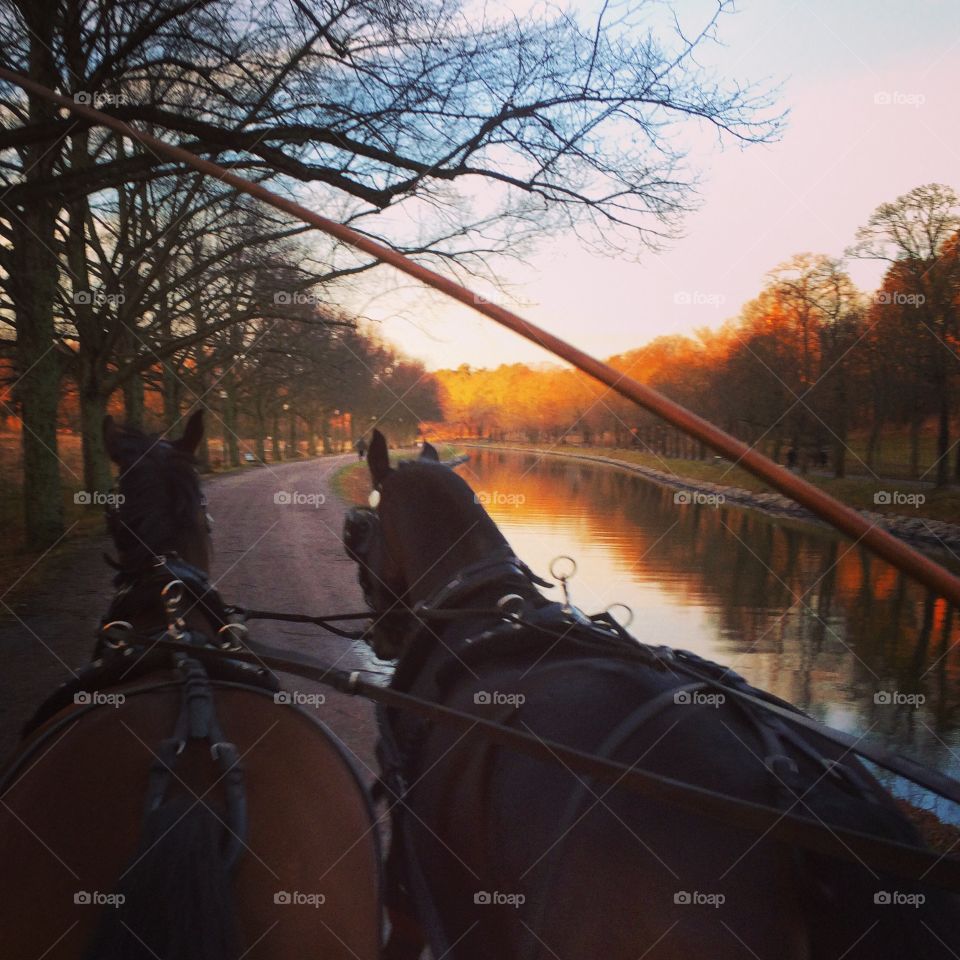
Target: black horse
(509, 857)
(172, 805)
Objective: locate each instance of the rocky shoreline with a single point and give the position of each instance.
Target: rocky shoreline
(936, 535)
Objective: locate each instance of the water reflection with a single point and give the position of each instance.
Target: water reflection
(796, 610)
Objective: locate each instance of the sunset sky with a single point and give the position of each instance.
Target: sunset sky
(844, 151)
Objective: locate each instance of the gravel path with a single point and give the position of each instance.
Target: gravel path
(268, 555)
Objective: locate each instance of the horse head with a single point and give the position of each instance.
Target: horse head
(423, 527)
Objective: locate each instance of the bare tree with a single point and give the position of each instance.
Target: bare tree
(916, 235)
(374, 104)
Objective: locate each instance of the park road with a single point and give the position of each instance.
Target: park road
(277, 546)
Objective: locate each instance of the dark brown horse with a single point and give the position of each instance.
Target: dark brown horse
(159, 808)
(511, 857)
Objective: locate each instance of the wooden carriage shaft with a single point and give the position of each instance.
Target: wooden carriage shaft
(843, 518)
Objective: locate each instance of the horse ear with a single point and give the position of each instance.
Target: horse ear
(378, 458)
(429, 452)
(111, 438)
(192, 434)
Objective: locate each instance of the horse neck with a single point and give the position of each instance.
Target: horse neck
(149, 584)
(432, 559)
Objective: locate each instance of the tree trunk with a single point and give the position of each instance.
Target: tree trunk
(293, 435)
(275, 440)
(915, 427)
(33, 285)
(97, 477)
(133, 405)
(873, 443)
(259, 440)
(943, 437)
(231, 445)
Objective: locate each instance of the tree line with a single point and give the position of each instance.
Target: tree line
(121, 271)
(808, 361)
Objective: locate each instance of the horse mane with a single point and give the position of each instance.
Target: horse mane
(452, 504)
(161, 495)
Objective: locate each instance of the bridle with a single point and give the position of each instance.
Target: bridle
(364, 540)
(168, 576)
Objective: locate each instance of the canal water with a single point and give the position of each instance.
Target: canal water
(793, 608)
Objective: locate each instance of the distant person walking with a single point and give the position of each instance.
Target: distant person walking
(361, 446)
(792, 458)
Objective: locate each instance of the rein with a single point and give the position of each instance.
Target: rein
(898, 859)
(890, 856)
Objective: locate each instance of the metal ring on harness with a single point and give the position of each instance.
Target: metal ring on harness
(621, 606)
(234, 643)
(511, 605)
(126, 625)
(563, 577)
(172, 594)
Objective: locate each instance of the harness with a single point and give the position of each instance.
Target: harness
(124, 658)
(526, 625)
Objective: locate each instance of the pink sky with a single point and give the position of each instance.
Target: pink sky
(845, 150)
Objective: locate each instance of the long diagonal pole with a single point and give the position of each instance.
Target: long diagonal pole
(838, 515)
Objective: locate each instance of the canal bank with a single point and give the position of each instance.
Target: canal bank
(931, 534)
